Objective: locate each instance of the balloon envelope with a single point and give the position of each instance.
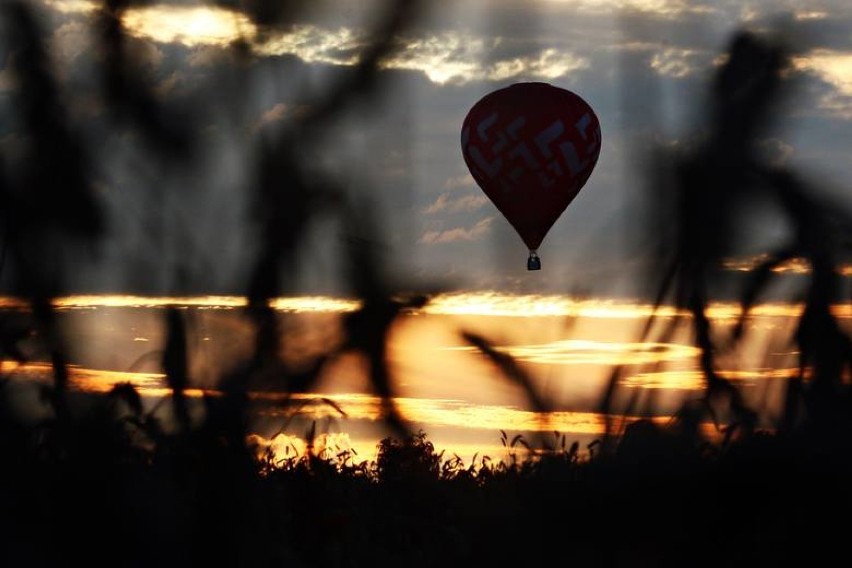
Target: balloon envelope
(531, 147)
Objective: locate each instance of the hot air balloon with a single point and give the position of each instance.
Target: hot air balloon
(531, 147)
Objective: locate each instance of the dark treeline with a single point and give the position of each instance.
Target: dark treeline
(100, 479)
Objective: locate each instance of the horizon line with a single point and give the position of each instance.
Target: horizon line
(483, 302)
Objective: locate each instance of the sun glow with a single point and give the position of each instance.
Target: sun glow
(835, 67)
(188, 25)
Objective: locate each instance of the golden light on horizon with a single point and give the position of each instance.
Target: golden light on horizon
(481, 303)
(357, 406)
(435, 415)
(301, 304)
(533, 305)
(795, 265)
(134, 301)
(694, 379)
(584, 352)
(488, 303)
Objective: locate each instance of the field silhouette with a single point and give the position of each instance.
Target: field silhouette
(98, 479)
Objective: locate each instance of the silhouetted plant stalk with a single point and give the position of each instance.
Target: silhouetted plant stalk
(704, 191)
(175, 363)
(130, 98)
(49, 200)
(514, 373)
(288, 199)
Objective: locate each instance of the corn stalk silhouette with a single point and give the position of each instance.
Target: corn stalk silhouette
(49, 208)
(699, 194)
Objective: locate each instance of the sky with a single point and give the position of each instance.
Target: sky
(642, 65)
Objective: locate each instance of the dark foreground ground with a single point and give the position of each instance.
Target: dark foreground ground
(109, 486)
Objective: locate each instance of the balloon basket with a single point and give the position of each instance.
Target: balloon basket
(533, 262)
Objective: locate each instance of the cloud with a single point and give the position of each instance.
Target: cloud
(835, 69)
(209, 56)
(443, 57)
(188, 25)
(447, 57)
(439, 205)
(775, 151)
(677, 63)
(458, 205)
(168, 85)
(73, 6)
(314, 44)
(802, 15)
(468, 203)
(71, 40)
(274, 114)
(659, 8)
(455, 57)
(462, 181)
(547, 64)
(480, 229)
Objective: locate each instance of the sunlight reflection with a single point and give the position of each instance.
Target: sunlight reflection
(574, 352)
(694, 380)
(435, 412)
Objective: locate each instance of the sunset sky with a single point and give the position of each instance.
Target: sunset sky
(641, 64)
(441, 383)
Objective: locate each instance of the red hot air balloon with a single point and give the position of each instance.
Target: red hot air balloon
(531, 147)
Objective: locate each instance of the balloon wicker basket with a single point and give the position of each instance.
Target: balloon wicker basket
(533, 262)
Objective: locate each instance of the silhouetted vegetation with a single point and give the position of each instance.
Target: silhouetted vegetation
(98, 479)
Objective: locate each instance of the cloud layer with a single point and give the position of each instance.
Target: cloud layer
(644, 66)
